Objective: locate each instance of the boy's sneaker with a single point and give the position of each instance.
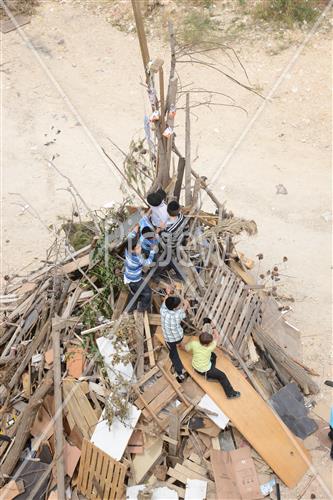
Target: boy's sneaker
(181, 378)
(236, 394)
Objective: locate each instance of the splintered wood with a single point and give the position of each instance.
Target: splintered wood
(232, 308)
(100, 477)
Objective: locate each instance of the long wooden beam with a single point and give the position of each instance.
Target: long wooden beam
(255, 419)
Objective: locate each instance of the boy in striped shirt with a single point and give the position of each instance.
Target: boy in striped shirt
(133, 275)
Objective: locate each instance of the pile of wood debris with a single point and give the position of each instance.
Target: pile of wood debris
(90, 406)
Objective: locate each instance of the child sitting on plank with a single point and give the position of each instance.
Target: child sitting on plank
(204, 359)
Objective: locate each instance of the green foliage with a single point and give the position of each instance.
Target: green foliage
(197, 27)
(78, 234)
(287, 12)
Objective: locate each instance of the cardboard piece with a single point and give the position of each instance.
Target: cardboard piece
(48, 356)
(75, 359)
(71, 458)
(43, 425)
(235, 474)
(114, 439)
(196, 489)
(221, 420)
(12, 489)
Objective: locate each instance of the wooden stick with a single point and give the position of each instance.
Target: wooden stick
(180, 175)
(162, 103)
(208, 191)
(150, 348)
(188, 194)
(139, 344)
(141, 35)
(24, 424)
(58, 427)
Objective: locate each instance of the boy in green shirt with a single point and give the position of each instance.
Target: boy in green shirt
(204, 359)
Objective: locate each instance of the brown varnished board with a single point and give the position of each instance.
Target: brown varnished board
(255, 420)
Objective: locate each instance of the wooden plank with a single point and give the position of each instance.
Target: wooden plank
(190, 474)
(139, 334)
(195, 467)
(12, 489)
(120, 304)
(154, 319)
(142, 464)
(163, 399)
(252, 416)
(188, 192)
(58, 407)
(153, 391)
(79, 407)
(150, 346)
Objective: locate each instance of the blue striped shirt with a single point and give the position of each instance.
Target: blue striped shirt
(146, 244)
(134, 264)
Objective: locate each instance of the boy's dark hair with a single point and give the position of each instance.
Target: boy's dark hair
(173, 208)
(205, 338)
(147, 232)
(172, 302)
(132, 243)
(162, 193)
(206, 320)
(155, 199)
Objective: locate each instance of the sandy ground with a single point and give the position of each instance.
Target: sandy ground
(81, 84)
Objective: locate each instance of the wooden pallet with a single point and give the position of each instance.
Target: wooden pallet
(100, 477)
(154, 397)
(231, 306)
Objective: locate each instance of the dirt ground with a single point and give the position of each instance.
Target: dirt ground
(82, 84)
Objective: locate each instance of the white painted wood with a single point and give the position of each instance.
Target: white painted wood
(132, 492)
(221, 420)
(164, 493)
(114, 371)
(196, 489)
(114, 439)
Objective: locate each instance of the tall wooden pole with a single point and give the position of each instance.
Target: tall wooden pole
(141, 33)
(188, 195)
(58, 427)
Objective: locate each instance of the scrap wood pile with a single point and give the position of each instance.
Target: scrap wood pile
(90, 406)
(88, 394)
